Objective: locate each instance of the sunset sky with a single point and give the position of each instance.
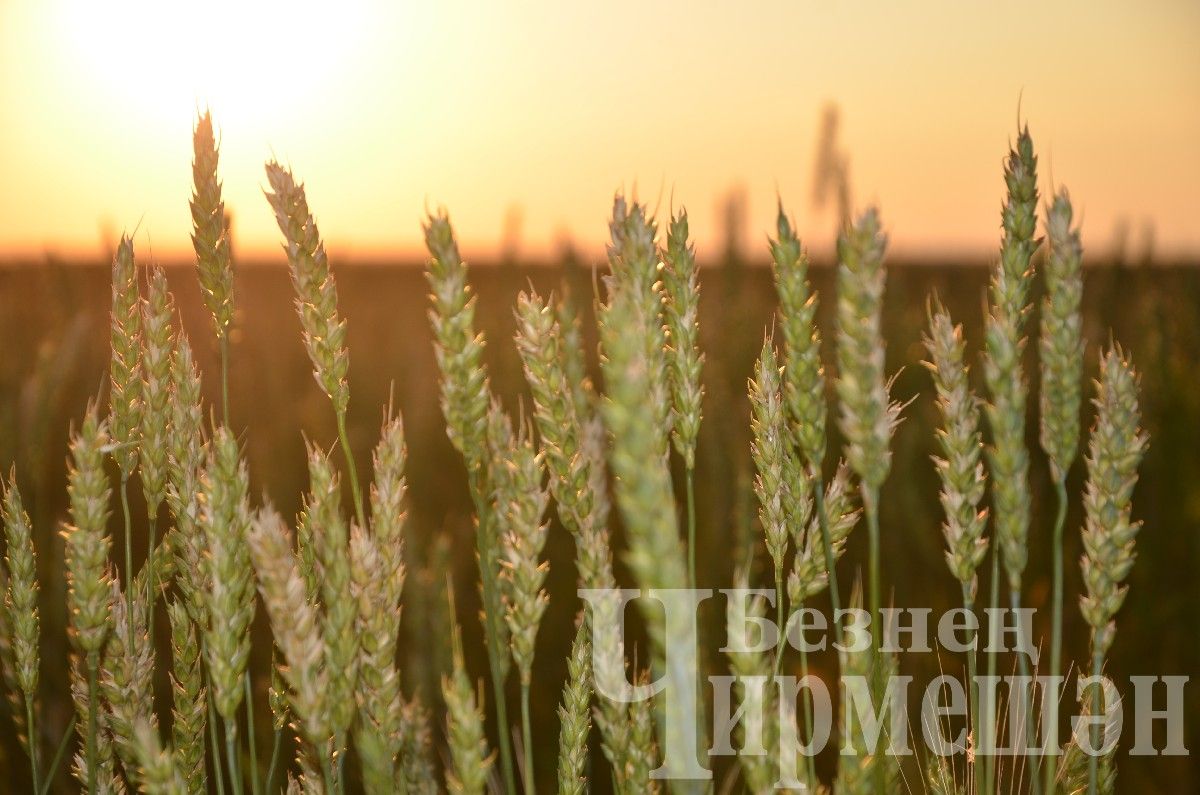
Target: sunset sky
(386, 108)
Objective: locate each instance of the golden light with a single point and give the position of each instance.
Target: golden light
(257, 61)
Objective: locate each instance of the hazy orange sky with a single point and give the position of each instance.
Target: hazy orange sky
(384, 108)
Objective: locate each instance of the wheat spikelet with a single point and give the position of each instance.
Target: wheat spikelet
(125, 399)
(387, 503)
(210, 237)
(809, 576)
(415, 775)
(226, 521)
(8, 673)
(157, 309)
(87, 540)
(459, 350)
(469, 756)
(186, 454)
(189, 699)
(867, 419)
(326, 522)
(571, 351)
(521, 501)
(316, 291)
(961, 468)
(1019, 220)
(769, 451)
(758, 704)
(376, 593)
(681, 313)
(295, 625)
(127, 679)
(102, 777)
(1008, 460)
(641, 751)
(573, 715)
(21, 593)
(804, 376)
(157, 769)
(577, 476)
(1114, 452)
(1061, 344)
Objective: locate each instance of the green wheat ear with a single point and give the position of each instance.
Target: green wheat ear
(210, 237)
(1061, 343)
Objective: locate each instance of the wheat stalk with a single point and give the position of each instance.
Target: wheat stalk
(1061, 348)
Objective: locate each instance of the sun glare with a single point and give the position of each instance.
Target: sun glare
(254, 60)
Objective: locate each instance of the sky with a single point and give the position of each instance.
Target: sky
(541, 110)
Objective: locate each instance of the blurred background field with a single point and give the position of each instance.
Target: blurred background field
(54, 327)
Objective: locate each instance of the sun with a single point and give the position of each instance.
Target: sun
(255, 61)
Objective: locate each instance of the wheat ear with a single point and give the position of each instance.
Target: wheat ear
(226, 520)
(295, 625)
(867, 417)
(636, 411)
(127, 680)
(189, 699)
(210, 239)
(470, 760)
(20, 607)
(961, 472)
(465, 398)
(1061, 357)
(769, 451)
(1114, 452)
(573, 715)
(157, 768)
(1004, 328)
(87, 547)
(681, 305)
(158, 344)
(317, 304)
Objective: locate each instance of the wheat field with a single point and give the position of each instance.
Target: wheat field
(246, 554)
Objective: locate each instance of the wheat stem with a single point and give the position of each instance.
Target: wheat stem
(351, 469)
(213, 737)
(993, 604)
(1060, 490)
(224, 344)
(527, 739)
(808, 708)
(691, 519)
(31, 730)
(250, 735)
(276, 753)
(972, 687)
(56, 761)
(231, 755)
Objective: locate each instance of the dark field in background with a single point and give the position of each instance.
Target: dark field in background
(54, 333)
